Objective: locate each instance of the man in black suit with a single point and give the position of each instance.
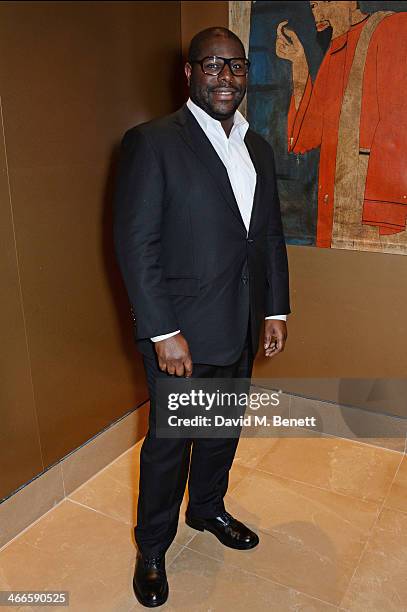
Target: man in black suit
(199, 241)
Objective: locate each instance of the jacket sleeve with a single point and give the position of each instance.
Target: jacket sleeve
(138, 214)
(278, 293)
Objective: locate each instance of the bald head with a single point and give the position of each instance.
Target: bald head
(201, 39)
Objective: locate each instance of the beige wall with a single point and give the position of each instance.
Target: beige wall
(74, 76)
(349, 316)
(196, 16)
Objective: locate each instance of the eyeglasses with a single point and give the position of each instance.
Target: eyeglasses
(213, 65)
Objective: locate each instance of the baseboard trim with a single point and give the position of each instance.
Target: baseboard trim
(35, 498)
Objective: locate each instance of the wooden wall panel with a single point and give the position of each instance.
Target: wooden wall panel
(74, 76)
(20, 451)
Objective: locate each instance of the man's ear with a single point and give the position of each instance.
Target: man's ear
(188, 72)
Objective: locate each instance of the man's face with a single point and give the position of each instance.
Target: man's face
(332, 14)
(218, 95)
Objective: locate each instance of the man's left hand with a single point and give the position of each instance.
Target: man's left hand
(275, 336)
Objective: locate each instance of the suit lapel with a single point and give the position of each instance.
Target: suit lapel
(200, 144)
(255, 157)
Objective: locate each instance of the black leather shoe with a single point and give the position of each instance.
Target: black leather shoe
(150, 581)
(227, 529)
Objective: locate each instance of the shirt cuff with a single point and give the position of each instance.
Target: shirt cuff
(279, 317)
(164, 336)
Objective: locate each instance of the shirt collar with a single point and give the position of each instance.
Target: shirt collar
(240, 124)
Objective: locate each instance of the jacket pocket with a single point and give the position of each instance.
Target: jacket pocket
(183, 285)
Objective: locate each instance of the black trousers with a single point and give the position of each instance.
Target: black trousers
(166, 464)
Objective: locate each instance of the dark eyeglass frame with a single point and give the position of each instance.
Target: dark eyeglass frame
(226, 61)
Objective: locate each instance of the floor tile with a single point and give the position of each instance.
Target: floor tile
(397, 497)
(311, 539)
(75, 549)
(251, 450)
(380, 581)
(341, 466)
(237, 474)
(199, 583)
(314, 505)
(114, 490)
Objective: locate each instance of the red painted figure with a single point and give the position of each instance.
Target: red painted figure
(315, 108)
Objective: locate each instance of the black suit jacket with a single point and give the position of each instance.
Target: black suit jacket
(182, 246)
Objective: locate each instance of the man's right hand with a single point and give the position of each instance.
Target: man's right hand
(174, 356)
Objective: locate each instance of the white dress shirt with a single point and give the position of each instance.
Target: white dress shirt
(233, 152)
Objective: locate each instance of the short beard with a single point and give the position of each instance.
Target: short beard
(202, 102)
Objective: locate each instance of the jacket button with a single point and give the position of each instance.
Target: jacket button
(250, 240)
(244, 280)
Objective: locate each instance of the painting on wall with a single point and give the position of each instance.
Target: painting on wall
(327, 88)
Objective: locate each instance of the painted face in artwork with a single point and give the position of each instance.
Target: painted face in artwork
(336, 15)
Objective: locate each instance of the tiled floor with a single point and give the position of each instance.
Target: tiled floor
(331, 515)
